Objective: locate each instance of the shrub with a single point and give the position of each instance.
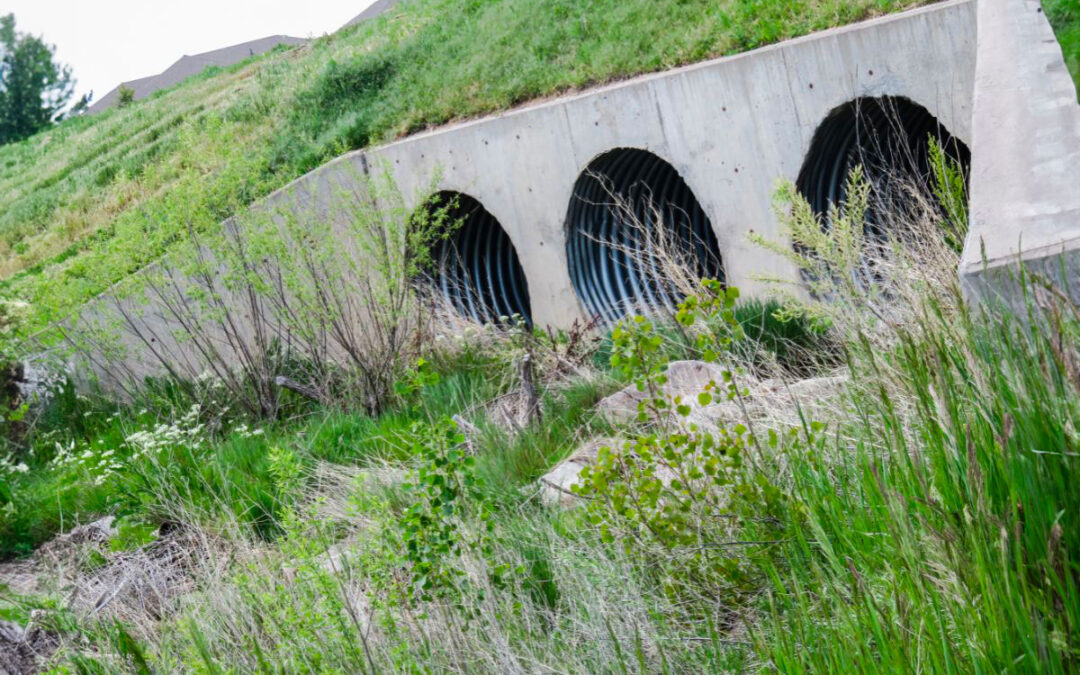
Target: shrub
(676, 487)
(280, 308)
(125, 96)
(12, 407)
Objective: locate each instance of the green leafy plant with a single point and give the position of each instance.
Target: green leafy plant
(680, 485)
(949, 185)
(12, 319)
(443, 490)
(125, 96)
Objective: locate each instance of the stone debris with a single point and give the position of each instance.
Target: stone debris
(773, 402)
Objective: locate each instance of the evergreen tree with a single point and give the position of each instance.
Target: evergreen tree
(34, 88)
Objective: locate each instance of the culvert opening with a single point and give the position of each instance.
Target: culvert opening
(637, 238)
(890, 138)
(477, 270)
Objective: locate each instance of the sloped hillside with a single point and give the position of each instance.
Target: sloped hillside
(91, 201)
(94, 199)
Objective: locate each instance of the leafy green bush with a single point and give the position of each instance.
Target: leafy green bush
(12, 319)
(125, 96)
(444, 493)
(677, 486)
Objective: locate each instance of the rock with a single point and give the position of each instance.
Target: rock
(96, 534)
(556, 485)
(772, 399)
(336, 559)
(11, 633)
(685, 378)
(335, 486)
(774, 403)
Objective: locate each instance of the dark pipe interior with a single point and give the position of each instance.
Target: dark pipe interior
(889, 137)
(478, 270)
(607, 275)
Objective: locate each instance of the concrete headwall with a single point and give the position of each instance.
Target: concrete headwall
(730, 127)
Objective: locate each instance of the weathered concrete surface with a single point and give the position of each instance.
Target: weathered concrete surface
(1025, 173)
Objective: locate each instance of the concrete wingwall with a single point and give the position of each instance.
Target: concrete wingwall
(730, 127)
(1025, 175)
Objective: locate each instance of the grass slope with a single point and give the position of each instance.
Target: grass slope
(90, 201)
(1064, 16)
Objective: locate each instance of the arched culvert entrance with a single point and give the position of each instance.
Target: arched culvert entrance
(636, 235)
(477, 268)
(890, 138)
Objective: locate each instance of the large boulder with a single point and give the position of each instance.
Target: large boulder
(773, 401)
(685, 378)
(556, 486)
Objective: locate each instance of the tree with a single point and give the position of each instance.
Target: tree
(34, 88)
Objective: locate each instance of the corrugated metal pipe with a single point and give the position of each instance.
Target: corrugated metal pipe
(478, 271)
(888, 136)
(631, 217)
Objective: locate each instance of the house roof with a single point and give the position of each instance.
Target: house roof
(376, 8)
(189, 65)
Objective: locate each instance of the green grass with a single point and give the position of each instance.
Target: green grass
(951, 542)
(91, 201)
(229, 477)
(932, 528)
(1064, 16)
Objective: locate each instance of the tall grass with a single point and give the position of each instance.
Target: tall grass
(932, 529)
(942, 535)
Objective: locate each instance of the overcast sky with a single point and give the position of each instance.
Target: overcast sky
(107, 42)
